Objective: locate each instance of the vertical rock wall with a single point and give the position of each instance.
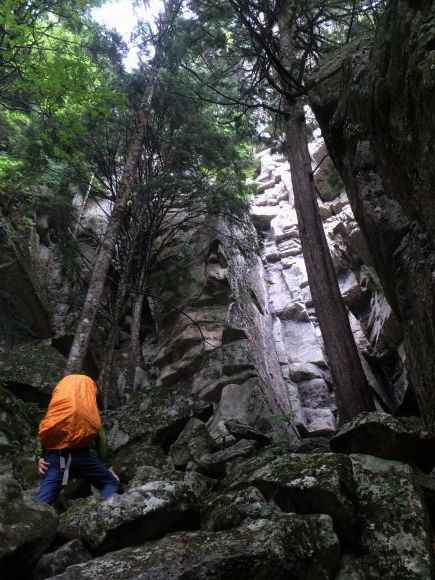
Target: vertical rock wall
(297, 337)
(244, 334)
(374, 103)
(214, 329)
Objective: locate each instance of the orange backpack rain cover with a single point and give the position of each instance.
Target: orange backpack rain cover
(72, 419)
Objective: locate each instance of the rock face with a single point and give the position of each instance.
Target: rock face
(374, 103)
(297, 338)
(219, 344)
(144, 513)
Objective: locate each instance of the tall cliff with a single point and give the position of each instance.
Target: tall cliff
(374, 103)
(227, 451)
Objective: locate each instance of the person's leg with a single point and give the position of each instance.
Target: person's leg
(51, 483)
(86, 467)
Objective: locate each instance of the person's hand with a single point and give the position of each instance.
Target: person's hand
(42, 466)
(113, 473)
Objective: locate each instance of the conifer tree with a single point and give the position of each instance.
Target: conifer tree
(282, 38)
(102, 262)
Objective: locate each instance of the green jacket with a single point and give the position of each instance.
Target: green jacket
(99, 443)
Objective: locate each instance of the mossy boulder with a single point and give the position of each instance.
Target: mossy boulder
(229, 509)
(398, 438)
(26, 529)
(71, 553)
(219, 463)
(142, 513)
(31, 372)
(289, 546)
(130, 457)
(395, 531)
(156, 416)
(18, 420)
(25, 469)
(315, 483)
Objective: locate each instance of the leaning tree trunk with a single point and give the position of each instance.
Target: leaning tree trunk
(352, 390)
(102, 262)
(351, 387)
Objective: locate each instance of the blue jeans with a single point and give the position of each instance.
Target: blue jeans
(83, 466)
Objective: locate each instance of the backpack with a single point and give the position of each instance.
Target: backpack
(72, 420)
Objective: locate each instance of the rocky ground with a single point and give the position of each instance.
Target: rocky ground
(357, 505)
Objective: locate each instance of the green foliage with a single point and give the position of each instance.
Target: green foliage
(171, 276)
(57, 82)
(282, 444)
(267, 510)
(334, 182)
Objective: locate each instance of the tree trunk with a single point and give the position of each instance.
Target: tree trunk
(111, 398)
(102, 262)
(134, 342)
(352, 390)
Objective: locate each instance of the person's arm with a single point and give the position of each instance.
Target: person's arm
(102, 447)
(103, 450)
(39, 457)
(39, 450)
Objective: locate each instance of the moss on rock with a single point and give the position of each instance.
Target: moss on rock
(32, 371)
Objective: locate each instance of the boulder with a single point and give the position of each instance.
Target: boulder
(351, 568)
(403, 439)
(142, 513)
(314, 445)
(218, 463)
(130, 457)
(157, 416)
(229, 509)
(31, 372)
(193, 442)
(315, 483)
(242, 431)
(395, 531)
(26, 529)
(17, 423)
(290, 546)
(426, 483)
(49, 565)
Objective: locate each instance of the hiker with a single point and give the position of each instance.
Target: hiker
(71, 424)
